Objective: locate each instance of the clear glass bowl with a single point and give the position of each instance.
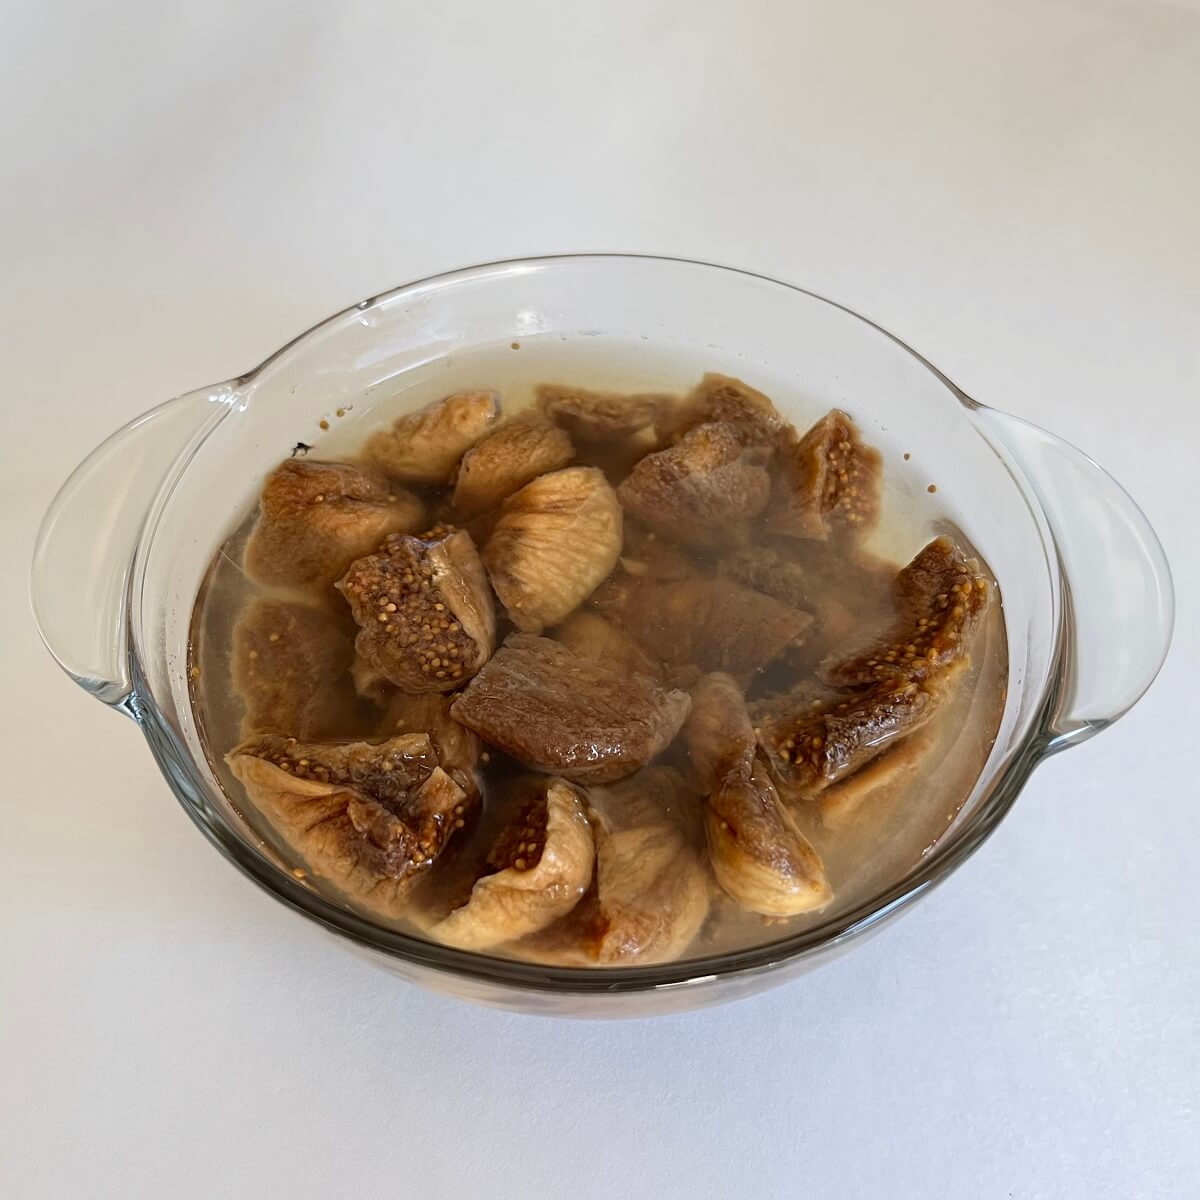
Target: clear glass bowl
(123, 549)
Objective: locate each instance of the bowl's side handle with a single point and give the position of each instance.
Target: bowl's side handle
(79, 580)
(1118, 606)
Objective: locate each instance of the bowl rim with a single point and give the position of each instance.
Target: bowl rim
(177, 765)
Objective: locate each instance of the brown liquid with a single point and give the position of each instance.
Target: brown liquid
(863, 853)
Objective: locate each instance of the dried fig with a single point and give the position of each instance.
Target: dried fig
(590, 636)
(813, 737)
(539, 869)
(703, 490)
(720, 739)
(290, 665)
(939, 599)
(652, 892)
(828, 482)
(843, 802)
(316, 518)
(767, 571)
(758, 855)
(721, 398)
(713, 624)
(556, 712)
(424, 609)
(370, 818)
(555, 541)
(425, 446)
(600, 416)
(648, 556)
(513, 455)
(457, 747)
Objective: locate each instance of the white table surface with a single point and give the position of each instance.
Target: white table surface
(1014, 188)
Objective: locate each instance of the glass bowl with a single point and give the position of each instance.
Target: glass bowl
(125, 545)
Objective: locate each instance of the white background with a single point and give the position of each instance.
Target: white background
(1013, 187)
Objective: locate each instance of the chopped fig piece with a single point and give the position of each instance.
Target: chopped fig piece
(720, 398)
(289, 669)
(759, 856)
(424, 609)
(767, 571)
(370, 818)
(654, 795)
(720, 738)
(846, 593)
(837, 621)
(854, 594)
(457, 747)
(316, 518)
(652, 893)
(513, 455)
(828, 482)
(425, 446)
(648, 556)
(813, 738)
(542, 865)
(590, 636)
(939, 599)
(466, 861)
(703, 490)
(713, 624)
(600, 416)
(556, 712)
(557, 539)
(842, 802)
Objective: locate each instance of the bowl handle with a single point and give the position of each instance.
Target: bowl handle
(79, 580)
(1118, 605)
